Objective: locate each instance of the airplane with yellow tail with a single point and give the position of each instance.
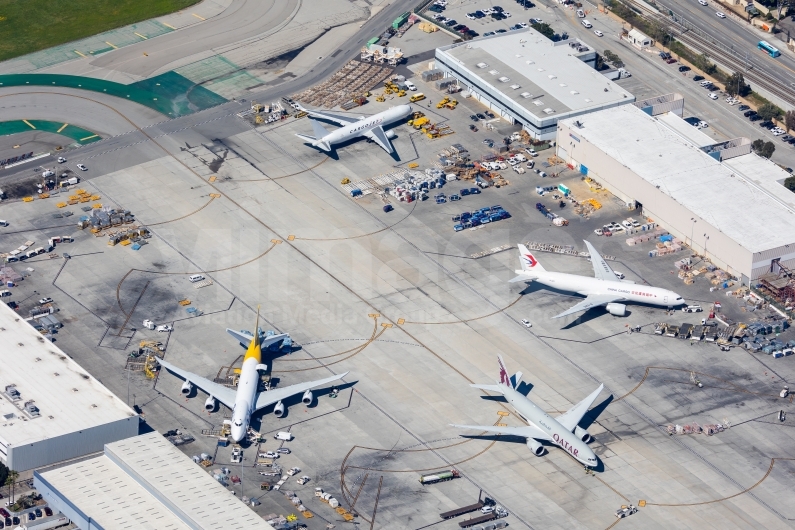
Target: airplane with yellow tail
(247, 399)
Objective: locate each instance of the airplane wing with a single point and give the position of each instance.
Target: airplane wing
(601, 269)
(594, 300)
(336, 118)
(379, 136)
(277, 394)
(221, 393)
(526, 432)
(572, 417)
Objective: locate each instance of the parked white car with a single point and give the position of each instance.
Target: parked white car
(712, 95)
(165, 328)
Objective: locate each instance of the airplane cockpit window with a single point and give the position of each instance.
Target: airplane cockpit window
(238, 423)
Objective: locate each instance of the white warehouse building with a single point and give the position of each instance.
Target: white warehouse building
(528, 79)
(720, 198)
(143, 482)
(52, 410)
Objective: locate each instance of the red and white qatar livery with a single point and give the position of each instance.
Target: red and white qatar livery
(563, 431)
(604, 289)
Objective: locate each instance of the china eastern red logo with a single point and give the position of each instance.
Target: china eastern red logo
(531, 261)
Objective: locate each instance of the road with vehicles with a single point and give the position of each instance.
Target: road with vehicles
(732, 42)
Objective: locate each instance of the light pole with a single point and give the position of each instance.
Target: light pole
(706, 238)
(692, 226)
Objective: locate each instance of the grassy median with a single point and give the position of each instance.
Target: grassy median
(30, 25)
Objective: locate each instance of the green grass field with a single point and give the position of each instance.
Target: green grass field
(30, 25)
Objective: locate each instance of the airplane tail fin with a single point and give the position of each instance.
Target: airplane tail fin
(506, 380)
(254, 349)
(528, 261)
(318, 129)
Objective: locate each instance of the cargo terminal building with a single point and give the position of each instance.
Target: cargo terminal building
(720, 198)
(527, 79)
(52, 410)
(143, 482)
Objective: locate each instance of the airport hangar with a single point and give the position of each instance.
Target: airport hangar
(52, 410)
(143, 482)
(723, 200)
(530, 80)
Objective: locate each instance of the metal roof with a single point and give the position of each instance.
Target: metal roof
(546, 74)
(67, 397)
(145, 482)
(742, 197)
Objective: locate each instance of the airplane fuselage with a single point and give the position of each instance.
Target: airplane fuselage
(586, 286)
(364, 125)
(246, 397)
(560, 435)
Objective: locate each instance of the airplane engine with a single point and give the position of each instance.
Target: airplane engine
(278, 410)
(187, 388)
(391, 134)
(308, 397)
(618, 310)
(210, 404)
(582, 434)
(535, 447)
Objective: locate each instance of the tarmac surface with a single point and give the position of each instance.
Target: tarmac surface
(400, 301)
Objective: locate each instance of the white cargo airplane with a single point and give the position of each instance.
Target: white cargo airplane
(372, 128)
(247, 400)
(605, 289)
(562, 431)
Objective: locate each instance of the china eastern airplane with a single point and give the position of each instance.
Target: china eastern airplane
(247, 399)
(371, 128)
(562, 431)
(605, 289)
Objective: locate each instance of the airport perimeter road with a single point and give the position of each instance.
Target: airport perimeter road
(734, 32)
(243, 19)
(731, 35)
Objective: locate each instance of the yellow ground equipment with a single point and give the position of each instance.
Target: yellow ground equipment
(380, 98)
(401, 93)
(451, 104)
(419, 122)
(443, 102)
(344, 181)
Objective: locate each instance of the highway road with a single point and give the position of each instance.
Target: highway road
(734, 34)
(243, 19)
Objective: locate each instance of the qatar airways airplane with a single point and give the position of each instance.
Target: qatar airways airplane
(247, 399)
(371, 127)
(605, 289)
(562, 431)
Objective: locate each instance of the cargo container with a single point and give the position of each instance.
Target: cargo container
(461, 511)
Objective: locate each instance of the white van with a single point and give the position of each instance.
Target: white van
(411, 86)
(585, 23)
(195, 278)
